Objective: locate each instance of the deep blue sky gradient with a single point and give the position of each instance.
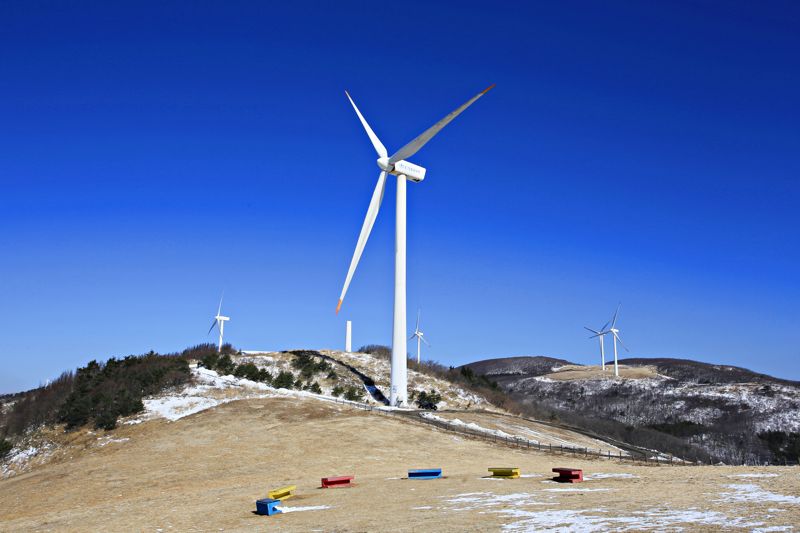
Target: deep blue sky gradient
(153, 154)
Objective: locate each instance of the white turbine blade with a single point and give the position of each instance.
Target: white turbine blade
(412, 336)
(417, 328)
(411, 148)
(621, 343)
(604, 326)
(596, 333)
(219, 310)
(366, 228)
(214, 323)
(379, 147)
(614, 320)
(423, 340)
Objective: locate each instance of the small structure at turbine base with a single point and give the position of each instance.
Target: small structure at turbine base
(268, 507)
(568, 475)
(425, 473)
(283, 493)
(505, 472)
(337, 481)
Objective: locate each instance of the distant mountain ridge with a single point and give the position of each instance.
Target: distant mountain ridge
(711, 412)
(527, 365)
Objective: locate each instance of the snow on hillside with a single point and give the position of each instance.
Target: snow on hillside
(379, 369)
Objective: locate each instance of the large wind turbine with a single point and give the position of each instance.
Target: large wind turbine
(420, 337)
(614, 331)
(397, 166)
(219, 321)
(600, 334)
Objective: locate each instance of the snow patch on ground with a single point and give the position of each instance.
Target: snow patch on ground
(591, 520)
(753, 493)
(21, 457)
(754, 475)
(108, 439)
(306, 508)
(602, 475)
(480, 500)
(468, 425)
(575, 489)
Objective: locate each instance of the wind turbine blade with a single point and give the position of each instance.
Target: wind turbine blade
(411, 148)
(412, 336)
(621, 343)
(426, 342)
(604, 326)
(366, 228)
(417, 328)
(214, 323)
(614, 320)
(219, 310)
(596, 333)
(379, 147)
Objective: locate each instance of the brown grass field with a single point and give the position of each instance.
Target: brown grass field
(204, 473)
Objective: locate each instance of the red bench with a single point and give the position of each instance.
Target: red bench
(338, 481)
(568, 475)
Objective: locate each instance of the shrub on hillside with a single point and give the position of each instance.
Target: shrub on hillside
(225, 365)
(308, 365)
(313, 387)
(103, 392)
(428, 400)
(37, 407)
(247, 371)
(377, 349)
(784, 446)
(337, 391)
(284, 380)
(5, 448)
(353, 394)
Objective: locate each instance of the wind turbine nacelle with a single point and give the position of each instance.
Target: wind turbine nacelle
(411, 171)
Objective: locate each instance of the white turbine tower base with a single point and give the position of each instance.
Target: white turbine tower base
(403, 170)
(399, 386)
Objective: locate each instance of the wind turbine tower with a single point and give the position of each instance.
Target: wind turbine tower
(219, 322)
(420, 337)
(600, 334)
(396, 165)
(348, 337)
(615, 332)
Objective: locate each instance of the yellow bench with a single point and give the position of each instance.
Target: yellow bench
(282, 493)
(507, 473)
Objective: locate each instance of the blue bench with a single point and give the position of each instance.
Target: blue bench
(425, 473)
(268, 506)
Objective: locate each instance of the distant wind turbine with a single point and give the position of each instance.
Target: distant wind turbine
(615, 332)
(219, 322)
(600, 334)
(419, 335)
(397, 165)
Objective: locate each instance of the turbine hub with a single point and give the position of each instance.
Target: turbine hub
(383, 163)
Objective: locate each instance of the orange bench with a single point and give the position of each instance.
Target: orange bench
(568, 475)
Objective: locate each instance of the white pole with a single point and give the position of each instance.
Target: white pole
(418, 347)
(348, 338)
(397, 394)
(221, 329)
(616, 370)
(602, 354)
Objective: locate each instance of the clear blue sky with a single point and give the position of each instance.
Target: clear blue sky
(154, 153)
